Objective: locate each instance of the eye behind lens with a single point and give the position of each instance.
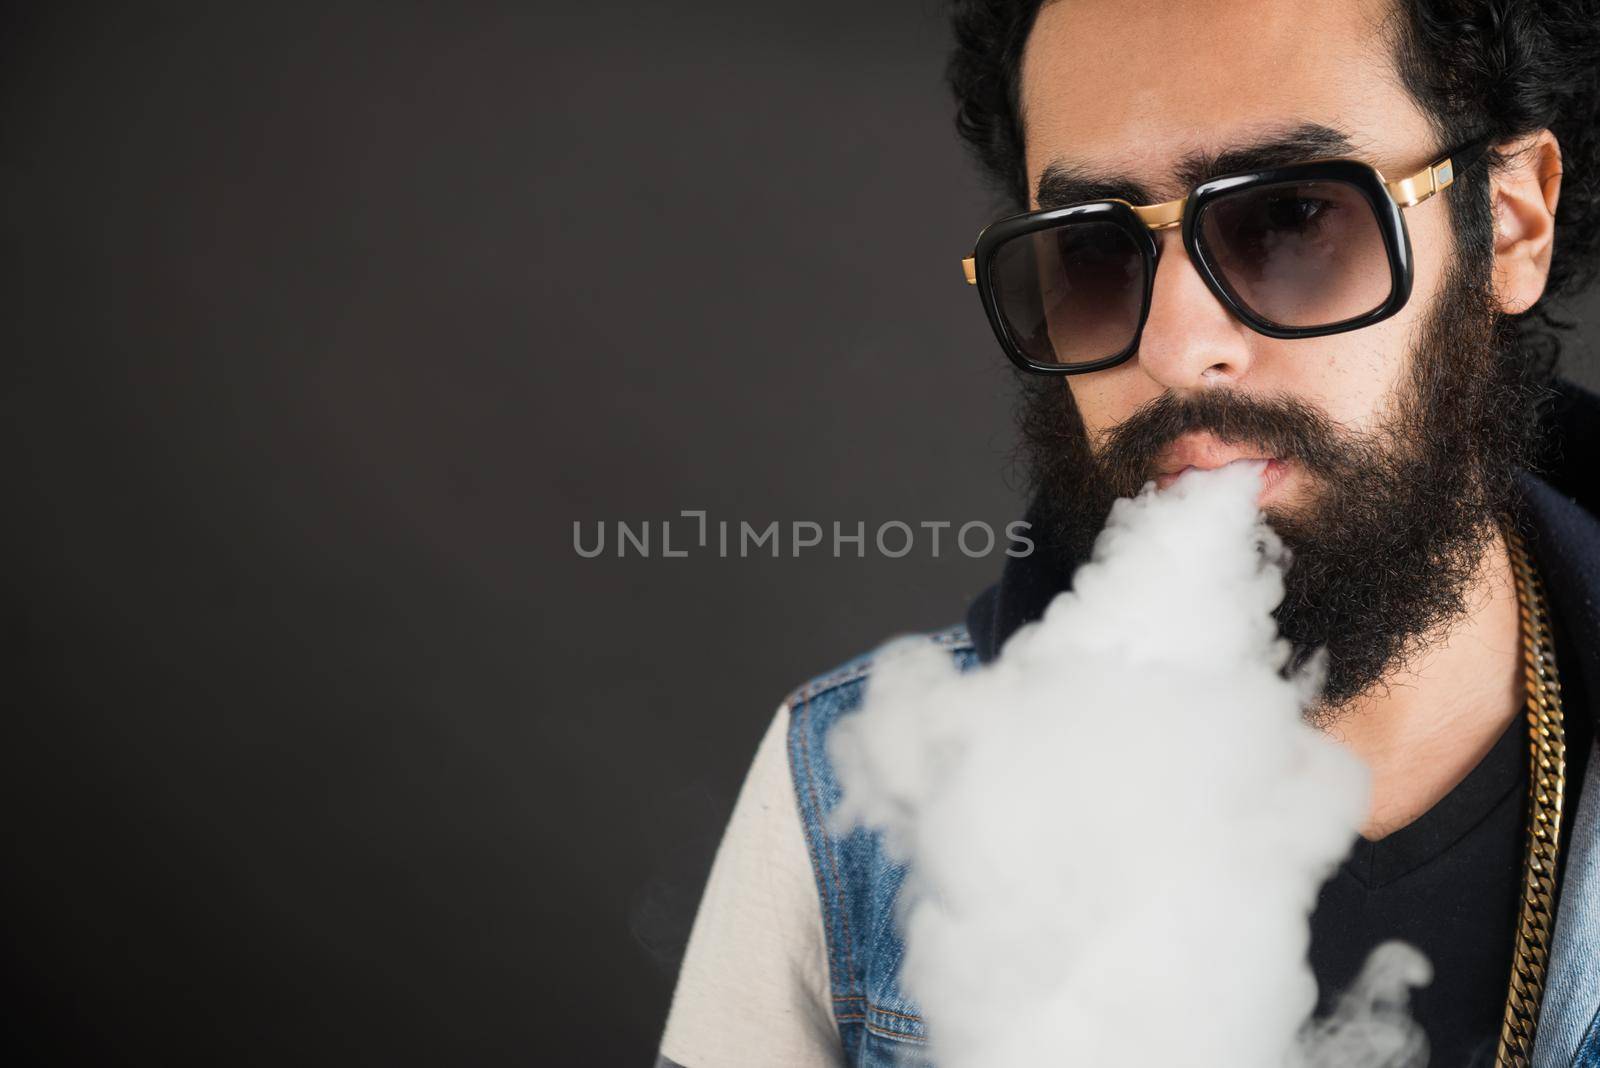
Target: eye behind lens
(1297, 255)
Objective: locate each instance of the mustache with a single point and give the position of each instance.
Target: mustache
(1287, 428)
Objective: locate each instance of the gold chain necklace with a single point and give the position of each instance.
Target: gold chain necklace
(1547, 781)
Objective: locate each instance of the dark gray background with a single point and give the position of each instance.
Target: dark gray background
(321, 329)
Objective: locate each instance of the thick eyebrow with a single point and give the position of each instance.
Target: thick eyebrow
(1065, 182)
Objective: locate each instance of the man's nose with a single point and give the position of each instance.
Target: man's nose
(1190, 340)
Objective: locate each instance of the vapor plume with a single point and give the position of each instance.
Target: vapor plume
(1115, 833)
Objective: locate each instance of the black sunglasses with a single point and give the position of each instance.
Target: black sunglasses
(1301, 250)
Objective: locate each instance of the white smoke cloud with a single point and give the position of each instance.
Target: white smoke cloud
(1117, 831)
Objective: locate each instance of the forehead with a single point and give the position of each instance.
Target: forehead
(1114, 87)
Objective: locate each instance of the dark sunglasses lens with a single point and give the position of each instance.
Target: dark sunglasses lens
(1071, 294)
(1298, 254)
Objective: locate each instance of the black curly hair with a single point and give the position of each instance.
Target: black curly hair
(1501, 69)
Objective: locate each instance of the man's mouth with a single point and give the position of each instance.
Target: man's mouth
(1203, 452)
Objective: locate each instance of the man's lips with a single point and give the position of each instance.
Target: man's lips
(1202, 452)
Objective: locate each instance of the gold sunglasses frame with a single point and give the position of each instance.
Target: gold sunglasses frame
(1406, 192)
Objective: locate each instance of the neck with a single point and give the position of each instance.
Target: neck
(1434, 718)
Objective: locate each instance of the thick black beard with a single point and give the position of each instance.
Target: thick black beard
(1385, 552)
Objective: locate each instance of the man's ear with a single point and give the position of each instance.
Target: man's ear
(1523, 197)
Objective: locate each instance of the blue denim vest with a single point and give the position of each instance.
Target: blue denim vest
(858, 886)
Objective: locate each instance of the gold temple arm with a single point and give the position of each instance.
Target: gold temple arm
(1434, 178)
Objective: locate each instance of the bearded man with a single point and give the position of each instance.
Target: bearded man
(1324, 237)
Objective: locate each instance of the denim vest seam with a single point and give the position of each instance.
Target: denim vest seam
(877, 1024)
(873, 1006)
(828, 683)
(891, 1012)
(887, 1028)
(954, 639)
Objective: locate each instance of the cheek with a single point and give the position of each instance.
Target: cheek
(1348, 377)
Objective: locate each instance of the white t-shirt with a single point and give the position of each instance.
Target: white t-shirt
(754, 985)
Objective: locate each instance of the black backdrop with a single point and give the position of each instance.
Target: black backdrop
(322, 328)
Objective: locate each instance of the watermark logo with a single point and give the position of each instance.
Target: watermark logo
(736, 538)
